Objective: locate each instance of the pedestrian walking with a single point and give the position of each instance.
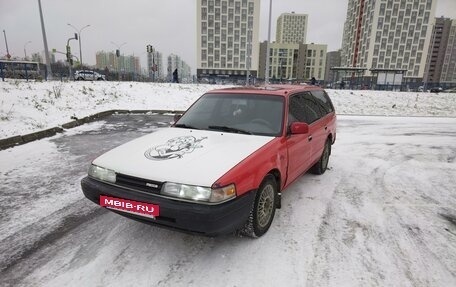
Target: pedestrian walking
(175, 76)
(313, 81)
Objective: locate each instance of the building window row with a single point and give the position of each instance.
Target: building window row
(222, 3)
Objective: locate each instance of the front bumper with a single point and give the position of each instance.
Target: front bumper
(209, 220)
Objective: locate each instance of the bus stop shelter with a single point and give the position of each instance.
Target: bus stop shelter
(388, 79)
(350, 77)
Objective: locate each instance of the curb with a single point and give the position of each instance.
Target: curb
(23, 139)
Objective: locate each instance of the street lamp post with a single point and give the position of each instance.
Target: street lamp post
(46, 50)
(151, 52)
(118, 56)
(6, 43)
(247, 60)
(79, 33)
(266, 75)
(282, 56)
(281, 68)
(25, 51)
(69, 58)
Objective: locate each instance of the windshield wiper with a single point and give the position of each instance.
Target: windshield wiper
(229, 129)
(185, 126)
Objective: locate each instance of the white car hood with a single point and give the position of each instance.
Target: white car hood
(195, 157)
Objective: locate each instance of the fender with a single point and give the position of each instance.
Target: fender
(250, 172)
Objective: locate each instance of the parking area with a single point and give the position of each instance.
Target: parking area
(383, 215)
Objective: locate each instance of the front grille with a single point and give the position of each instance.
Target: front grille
(136, 183)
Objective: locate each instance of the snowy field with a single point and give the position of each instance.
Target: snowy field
(27, 107)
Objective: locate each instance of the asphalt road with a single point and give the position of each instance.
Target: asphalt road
(383, 215)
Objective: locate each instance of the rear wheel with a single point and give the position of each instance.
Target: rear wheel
(263, 209)
(321, 166)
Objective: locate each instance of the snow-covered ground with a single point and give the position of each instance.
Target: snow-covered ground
(383, 215)
(27, 107)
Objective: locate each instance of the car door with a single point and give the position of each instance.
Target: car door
(317, 125)
(299, 145)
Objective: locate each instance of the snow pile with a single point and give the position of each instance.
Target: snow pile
(31, 106)
(387, 103)
(26, 107)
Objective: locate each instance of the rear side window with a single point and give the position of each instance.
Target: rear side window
(304, 108)
(323, 101)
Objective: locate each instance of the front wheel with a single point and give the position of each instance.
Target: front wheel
(263, 209)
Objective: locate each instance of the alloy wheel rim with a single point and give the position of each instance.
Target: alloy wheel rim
(265, 206)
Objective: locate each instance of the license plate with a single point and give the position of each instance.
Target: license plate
(130, 206)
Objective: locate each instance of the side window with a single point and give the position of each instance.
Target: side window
(314, 111)
(303, 108)
(324, 101)
(297, 111)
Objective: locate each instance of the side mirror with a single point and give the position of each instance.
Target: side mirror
(177, 117)
(298, 128)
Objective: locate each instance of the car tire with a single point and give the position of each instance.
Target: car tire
(262, 211)
(322, 164)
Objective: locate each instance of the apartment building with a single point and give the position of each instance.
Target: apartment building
(283, 61)
(290, 58)
(448, 74)
(332, 60)
(388, 34)
(291, 28)
(155, 66)
(183, 69)
(315, 61)
(227, 38)
(437, 49)
(293, 62)
(106, 60)
(123, 64)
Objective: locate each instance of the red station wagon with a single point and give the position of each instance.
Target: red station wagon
(224, 163)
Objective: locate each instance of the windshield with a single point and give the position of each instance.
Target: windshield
(236, 113)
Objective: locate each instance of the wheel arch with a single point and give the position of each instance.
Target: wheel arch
(275, 173)
(331, 141)
(277, 176)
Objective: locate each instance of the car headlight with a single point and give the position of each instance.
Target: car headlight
(102, 174)
(199, 193)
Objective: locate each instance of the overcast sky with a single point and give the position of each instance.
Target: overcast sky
(169, 25)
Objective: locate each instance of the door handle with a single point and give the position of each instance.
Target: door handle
(310, 138)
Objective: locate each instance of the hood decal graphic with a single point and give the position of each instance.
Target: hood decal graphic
(174, 148)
